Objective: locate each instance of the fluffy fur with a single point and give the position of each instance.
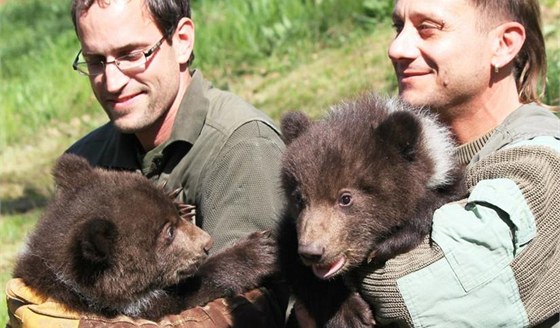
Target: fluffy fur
(362, 186)
(112, 243)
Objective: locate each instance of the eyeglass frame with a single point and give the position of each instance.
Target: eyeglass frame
(115, 61)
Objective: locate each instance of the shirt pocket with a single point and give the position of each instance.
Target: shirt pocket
(485, 236)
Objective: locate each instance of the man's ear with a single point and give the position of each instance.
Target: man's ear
(510, 37)
(183, 40)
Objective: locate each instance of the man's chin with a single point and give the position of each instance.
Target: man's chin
(413, 97)
(125, 127)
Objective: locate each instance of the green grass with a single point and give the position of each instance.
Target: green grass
(278, 54)
(37, 45)
(12, 235)
(12, 232)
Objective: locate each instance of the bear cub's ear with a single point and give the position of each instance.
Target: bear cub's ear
(96, 241)
(294, 124)
(402, 131)
(72, 172)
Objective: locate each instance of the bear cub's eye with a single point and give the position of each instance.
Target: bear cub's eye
(345, 199)
(298, 199)
(169, 233)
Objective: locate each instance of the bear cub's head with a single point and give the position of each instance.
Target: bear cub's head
(363, 182)
(113, 238)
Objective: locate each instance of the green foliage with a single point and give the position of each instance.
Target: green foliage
(552, 38)
(37, 45)
(234, 34)
(552, 95)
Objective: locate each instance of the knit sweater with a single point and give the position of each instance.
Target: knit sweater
(532, 272)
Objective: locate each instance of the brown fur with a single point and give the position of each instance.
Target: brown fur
(112, 243)
(361, 189)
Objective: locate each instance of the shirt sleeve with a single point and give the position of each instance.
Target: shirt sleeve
(241, 191)
(479, 241)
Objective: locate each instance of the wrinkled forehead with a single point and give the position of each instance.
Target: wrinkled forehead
(442, 9)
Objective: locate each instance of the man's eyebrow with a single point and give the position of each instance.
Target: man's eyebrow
(418, 14)
(120, 50)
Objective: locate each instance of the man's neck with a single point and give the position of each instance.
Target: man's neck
(477, 117)
(161, 130)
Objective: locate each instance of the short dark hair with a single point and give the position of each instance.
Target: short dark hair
(166, 13)
(530, 62)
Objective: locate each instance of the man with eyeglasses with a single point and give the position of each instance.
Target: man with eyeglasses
(169, 124)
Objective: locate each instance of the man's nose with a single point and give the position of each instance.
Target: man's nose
(115, 80)
(405, 45)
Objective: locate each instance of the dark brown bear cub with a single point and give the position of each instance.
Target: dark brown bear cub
(362, 186)
(112, 243)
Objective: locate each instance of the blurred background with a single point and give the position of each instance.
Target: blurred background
(279, 55)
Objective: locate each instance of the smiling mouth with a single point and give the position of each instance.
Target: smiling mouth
(408, 74)
(329, 270)
(122, 100)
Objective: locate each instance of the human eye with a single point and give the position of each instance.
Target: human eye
(398, 27)
(131, 57)
(93, 64)
(94, 60)
(428, 28)
(398, 24)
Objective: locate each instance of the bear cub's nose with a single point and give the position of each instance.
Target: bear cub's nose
(311, 252)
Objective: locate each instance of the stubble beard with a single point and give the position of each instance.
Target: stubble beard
(137, 120)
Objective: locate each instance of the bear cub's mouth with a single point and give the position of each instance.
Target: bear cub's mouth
(329, 270)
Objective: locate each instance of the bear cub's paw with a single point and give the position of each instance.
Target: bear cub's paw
(259, 252)
(247, 264)
(354, 312)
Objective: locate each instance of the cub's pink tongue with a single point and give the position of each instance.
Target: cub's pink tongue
(327, 270)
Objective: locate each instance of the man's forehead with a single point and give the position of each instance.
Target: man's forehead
(117, 25)
(100, 3)
(442, 9)
(121, 10)
(84, 6)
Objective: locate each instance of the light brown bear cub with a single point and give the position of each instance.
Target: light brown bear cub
(112, 243)
(362, 186)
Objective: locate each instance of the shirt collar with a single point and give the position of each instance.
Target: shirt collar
(192, 111)
(188, 125)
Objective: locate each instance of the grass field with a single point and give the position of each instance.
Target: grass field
(278, 54)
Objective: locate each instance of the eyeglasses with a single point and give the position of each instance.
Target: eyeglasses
(128, 64)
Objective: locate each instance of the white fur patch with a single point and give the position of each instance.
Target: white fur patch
(437, 139)
(143, 303)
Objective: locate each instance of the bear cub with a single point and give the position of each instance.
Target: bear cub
(112, 243)
(362, 185)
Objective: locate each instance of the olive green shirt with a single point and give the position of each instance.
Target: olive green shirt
(223, 153)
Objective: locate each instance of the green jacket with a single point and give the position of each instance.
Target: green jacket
(223, 153)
